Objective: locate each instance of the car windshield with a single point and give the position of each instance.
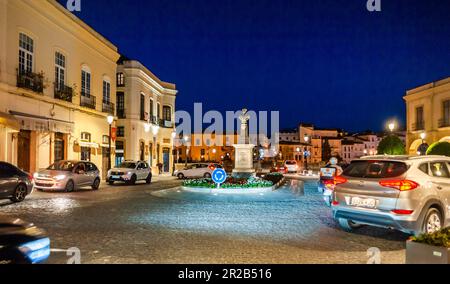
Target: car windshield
(375, 169)
(127, 165)
(291, 163)
(62, 166)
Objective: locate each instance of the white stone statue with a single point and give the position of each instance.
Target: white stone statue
(244, 118)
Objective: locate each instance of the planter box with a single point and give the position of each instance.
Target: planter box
(417, 253)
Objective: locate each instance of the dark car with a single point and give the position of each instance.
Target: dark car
(15, 184)
(22, 242)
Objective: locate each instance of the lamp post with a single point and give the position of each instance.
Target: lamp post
(186, 140)
(305, 154)
(174, 135)
(214, 151)
(155, 130)
(110, 120)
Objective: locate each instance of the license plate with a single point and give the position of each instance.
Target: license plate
(363, 202)
(115, 177)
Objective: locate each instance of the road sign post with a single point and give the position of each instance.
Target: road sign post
(219, 176)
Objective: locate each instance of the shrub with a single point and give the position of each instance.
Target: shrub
(391, 145)
(438, 239)
(229, 183)
(439, 148)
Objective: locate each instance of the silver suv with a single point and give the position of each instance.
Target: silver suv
(410, 194)
(130, 172)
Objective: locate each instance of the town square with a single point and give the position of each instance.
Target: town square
(224, 132)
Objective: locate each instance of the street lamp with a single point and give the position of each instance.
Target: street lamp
(186, 140)
(174, 135)
(305, 153)
(391, 126)
(423, 135)
(110, 120)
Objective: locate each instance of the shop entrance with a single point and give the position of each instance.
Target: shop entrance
(166, 160)
(23, 155)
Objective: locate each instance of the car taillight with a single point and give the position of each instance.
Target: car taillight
(335, 203)
(402, 185)
(339, 180)
(402, 212)
(30, 177)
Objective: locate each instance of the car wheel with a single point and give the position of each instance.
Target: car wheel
(433, 221)
(133, 180)
(180, 176)
(348, 225)
(19, 193)
(148, 180)
(96, 184)
(70, 186)
(207, 175)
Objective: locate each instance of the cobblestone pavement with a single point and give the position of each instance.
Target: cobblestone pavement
(150, 224)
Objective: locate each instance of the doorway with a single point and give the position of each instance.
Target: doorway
(59, 147)
(23, 155)
(166, 160)
(142, 151)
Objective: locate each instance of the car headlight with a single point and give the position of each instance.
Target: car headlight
(36, 251)
(60, 177)
(36, 175)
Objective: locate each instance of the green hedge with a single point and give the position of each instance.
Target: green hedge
(439, 148)
(438, 239)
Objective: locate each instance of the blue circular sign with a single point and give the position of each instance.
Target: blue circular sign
(219, 176)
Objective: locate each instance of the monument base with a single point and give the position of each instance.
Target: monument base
(243, 161)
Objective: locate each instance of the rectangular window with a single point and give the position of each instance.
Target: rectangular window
(143, 107)
(26, 54)
(446, 117)
(60, 70)
(120, 131)
(120, 80)
(167, 113)
(420, 125)
(106, 92)
(120, 97)
(85, 83)
(152, 109)
(158, 111)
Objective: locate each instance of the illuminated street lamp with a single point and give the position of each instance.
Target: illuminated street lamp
(306, 153)
(110, 120)
(186, 140)
(391, 126)
(424, 146)
(174, 135)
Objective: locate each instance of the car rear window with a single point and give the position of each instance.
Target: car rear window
(291, 163)
(375, 169)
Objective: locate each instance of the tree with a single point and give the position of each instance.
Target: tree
(326, 151)
(439, 148)
(391, 145)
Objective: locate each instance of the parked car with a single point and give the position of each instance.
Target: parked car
(197, 171)
(278, 168)
(130, 172)
(410, 194)
(68, 176)
(327, 182)
(22, 242)
(15, 184)
(291, 166)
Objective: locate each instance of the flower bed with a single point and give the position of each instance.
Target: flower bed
(229, 183)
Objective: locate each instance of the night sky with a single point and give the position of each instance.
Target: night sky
(327, 62)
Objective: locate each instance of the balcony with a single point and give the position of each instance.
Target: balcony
(121, 113)
(445, 122)
(63, 92)
(87, 100)
(108, 107)
(418, 126)
(30, 81)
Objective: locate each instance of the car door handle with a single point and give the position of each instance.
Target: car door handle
(439, 187)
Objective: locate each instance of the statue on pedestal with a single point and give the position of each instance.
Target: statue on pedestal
(244, 150)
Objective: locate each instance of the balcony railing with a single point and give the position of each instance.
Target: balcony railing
(445, 122)
(63, 92)
(121, 113)
(87, 100)
(165, 123)
(30, 81)
(418, 126)
(108, 107)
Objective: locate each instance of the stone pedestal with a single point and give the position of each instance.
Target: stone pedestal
(243, 167)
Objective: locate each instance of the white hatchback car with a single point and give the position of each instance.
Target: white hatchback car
(130, 172)
(197, 170)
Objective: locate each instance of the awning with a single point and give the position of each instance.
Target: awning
(9, 121)
(42, 123)
(87, 144)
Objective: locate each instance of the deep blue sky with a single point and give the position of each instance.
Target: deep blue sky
(329, 62)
